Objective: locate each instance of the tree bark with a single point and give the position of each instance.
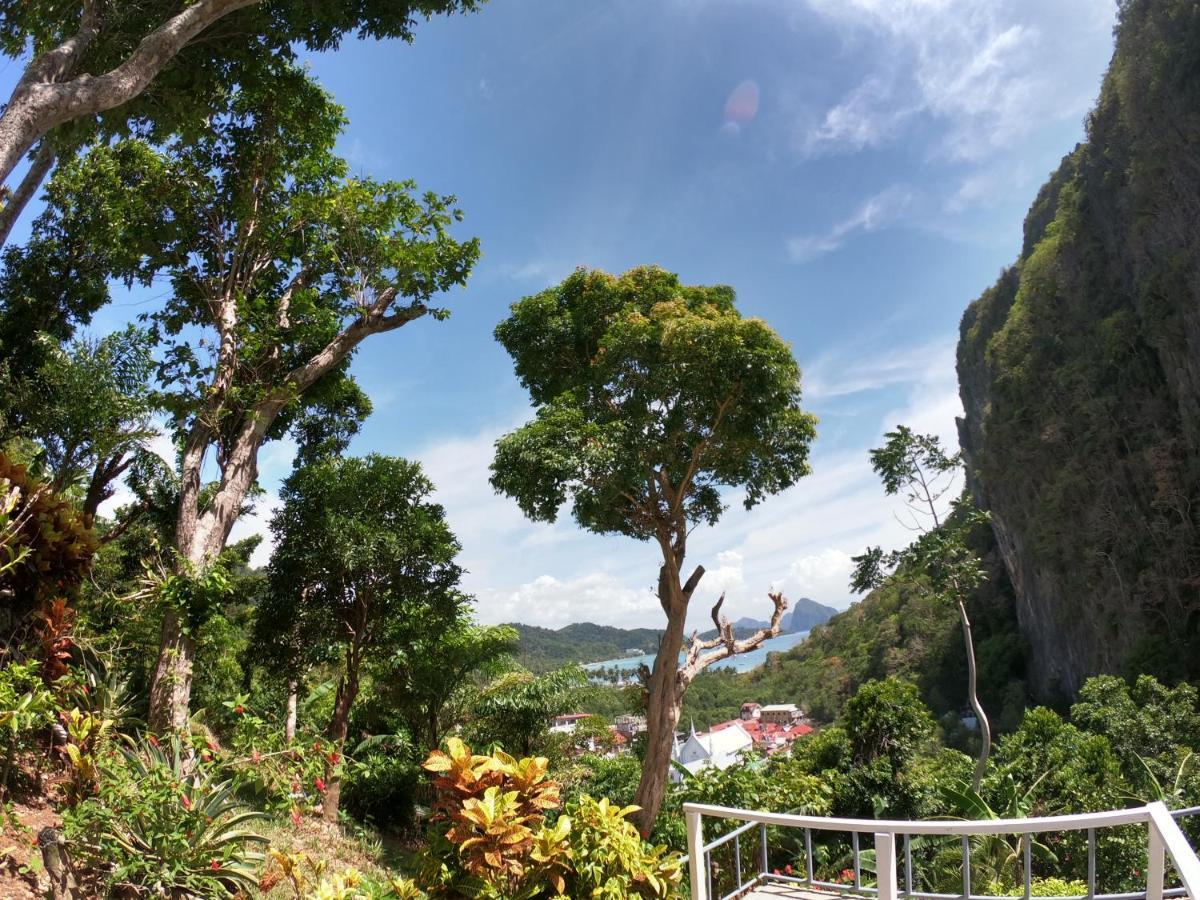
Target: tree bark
(39, 168)
(293, 702)
(663, 708)
(49, 93)
(339, 726)
(171, 684)
(985, 728)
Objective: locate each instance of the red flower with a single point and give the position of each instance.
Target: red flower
(788, 868)
(186, 801)
(334, 758)
(239, 709)
(153, 741)
(295, 815)
(215, 865)
(256, 756)
(777, 872)
(320, 783)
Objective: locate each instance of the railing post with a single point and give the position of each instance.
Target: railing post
(762, 849)
(1155, 869)
(696, 862)
(885, 865)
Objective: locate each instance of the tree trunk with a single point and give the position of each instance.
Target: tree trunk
(663, 708)
(339, 726)
(985, 729)
(293, 698)
(171, 685)
(39, 168)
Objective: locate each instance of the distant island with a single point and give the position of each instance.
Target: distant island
(541, 649)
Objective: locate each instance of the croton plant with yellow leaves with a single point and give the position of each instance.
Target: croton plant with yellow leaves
(504, 835)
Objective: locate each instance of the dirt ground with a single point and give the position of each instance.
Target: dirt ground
(21, 874)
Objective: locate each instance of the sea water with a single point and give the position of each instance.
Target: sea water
(743, 662)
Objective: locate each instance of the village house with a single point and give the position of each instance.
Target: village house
(717, 748)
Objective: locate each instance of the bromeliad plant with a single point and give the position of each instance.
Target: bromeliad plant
(162, 824)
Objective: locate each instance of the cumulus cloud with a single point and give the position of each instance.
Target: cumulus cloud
(876, 212)
(825, 574)
(594, 597)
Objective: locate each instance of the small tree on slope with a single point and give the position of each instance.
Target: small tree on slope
(917, 466)
(650, 397)
(368, 562)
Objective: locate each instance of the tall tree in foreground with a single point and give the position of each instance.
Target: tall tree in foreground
(367, 562)
(919, 468)
(650, 397)
(280, 265)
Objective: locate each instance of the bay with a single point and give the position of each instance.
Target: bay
(743, 662)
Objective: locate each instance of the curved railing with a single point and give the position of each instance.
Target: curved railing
(1164, 839)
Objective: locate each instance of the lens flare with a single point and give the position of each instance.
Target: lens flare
(741, 106)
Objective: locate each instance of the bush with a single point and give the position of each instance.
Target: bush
(162, 824)
(381, 790)
(609, 857)
(496, 841)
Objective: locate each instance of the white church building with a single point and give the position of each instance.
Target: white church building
(719, 749)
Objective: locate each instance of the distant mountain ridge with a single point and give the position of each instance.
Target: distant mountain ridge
(541, 649)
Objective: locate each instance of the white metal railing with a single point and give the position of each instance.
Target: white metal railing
(1163, 838)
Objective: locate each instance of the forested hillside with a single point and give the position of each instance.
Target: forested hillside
(1080, 377)
(542, 649)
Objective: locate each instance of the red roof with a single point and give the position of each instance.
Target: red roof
(768, 736)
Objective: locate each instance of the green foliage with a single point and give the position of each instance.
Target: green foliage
(164, 824)
(513, 710)
(609, 858)
(498, 840)
(26, 708)
(886, 720)
(362, 556)
(433, 675)
(639, 374)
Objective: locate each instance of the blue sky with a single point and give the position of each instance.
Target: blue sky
(857, 169)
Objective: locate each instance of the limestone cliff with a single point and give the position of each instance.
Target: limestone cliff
(1080, 378)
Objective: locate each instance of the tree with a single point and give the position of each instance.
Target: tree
(515, 710)
(368, 561)
(93, 58)
(918, 467)
(432, 676)
(280, 266)
(89, 411)
(651, 397)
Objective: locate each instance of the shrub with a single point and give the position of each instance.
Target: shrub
(609, 857)
(162, 824)
(381, 789)
(497, 842)
(26, 709)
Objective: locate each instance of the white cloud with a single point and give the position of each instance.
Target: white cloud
(595, 597)
(987, 73)
(825, 574)
(875, 213)
(852, 370)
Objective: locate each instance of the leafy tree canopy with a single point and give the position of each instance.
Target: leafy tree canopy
(641, 382)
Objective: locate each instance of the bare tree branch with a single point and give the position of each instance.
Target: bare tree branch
(703, 653)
